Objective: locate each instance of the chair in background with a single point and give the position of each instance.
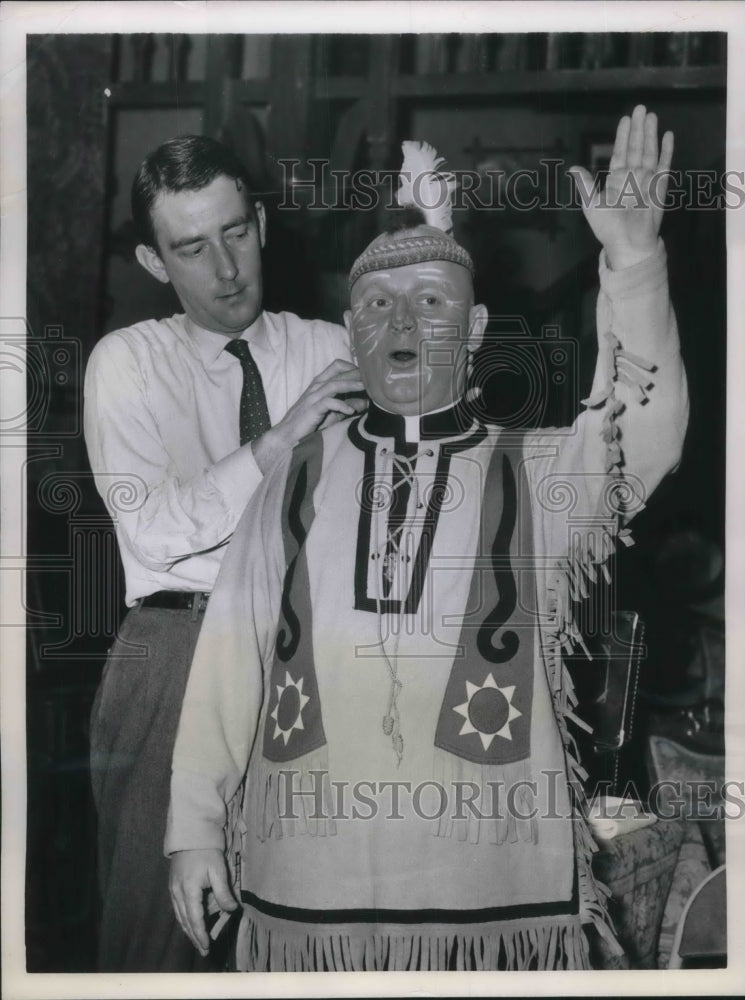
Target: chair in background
(700, 941)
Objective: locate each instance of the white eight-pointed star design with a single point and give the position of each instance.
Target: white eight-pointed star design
(488, 711)
(300, 700)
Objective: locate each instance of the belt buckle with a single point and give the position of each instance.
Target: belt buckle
(198, 604)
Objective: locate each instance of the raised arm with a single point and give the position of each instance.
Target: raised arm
(639, 395)
(635, 418)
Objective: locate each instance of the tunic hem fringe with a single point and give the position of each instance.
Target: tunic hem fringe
(268, 944)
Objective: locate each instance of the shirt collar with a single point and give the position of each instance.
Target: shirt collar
(210, 345)
(448, 422)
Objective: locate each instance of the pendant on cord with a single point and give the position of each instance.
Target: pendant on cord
(391, 721)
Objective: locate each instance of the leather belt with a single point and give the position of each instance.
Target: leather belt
(178, 600)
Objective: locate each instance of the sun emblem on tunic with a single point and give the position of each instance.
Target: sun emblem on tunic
(288, 712)
(488, 711)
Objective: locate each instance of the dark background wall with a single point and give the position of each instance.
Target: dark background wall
(97, 104)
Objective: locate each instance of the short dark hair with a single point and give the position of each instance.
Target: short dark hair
(184, 163)
(400, 217)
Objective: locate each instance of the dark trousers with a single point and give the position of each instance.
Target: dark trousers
(133, 729)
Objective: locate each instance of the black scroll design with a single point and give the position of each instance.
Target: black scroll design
(504, 577)
(296, 531)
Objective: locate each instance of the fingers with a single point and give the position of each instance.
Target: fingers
(219, 881)
(337, 366)
(340, 376)
(179, 908)
(620, 147)
(194, 925)
(634, 191)
(347, 407)
(189, 910)
(636, 142)
(323, 393)
(650, 150)
(191, 873)
(341, 383)
(331, 418)
(666, 154)
(350, 374)
(635, 148)
(358, 403)
(319, 399)
(663, 171)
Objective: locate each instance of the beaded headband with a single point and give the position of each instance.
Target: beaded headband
(409, 247)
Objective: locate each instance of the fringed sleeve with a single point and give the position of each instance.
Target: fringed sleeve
(589, 480)
(224, 693)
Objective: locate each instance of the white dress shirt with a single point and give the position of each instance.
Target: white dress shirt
(161, 426)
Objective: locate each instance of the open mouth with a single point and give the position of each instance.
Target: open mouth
(402, 357)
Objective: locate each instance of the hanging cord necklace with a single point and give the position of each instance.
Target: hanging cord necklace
(405, 466)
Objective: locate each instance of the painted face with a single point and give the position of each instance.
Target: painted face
(209, 248)
(410, 327)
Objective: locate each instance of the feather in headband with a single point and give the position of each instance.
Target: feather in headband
(421, 186)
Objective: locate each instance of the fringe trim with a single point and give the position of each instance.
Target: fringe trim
(235, 831)
(593, 894)
(503, 825)
(286, 806)
(593, 547)
(268, 944)
(569, 581)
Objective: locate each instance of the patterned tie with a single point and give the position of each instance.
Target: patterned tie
(254, 415)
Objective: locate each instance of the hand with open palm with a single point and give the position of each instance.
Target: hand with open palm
(626, 215)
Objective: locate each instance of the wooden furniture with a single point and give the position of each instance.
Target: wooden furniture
(321, 95)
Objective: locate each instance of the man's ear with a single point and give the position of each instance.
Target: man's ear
(150, 260)
(478, 317)
(261, 219)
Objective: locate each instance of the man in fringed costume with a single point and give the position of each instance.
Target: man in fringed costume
(382, 656)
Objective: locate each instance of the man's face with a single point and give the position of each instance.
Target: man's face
(410, 328)
(209, 247)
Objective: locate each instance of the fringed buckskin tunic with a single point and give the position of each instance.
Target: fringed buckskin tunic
(375, 727)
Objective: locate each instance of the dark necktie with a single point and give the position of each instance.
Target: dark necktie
(254, 415)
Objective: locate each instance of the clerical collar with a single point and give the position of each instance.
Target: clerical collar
(450, 422)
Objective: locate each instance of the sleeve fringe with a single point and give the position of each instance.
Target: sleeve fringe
(569, 582)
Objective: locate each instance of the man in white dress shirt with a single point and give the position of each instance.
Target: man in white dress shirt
(182, 421)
